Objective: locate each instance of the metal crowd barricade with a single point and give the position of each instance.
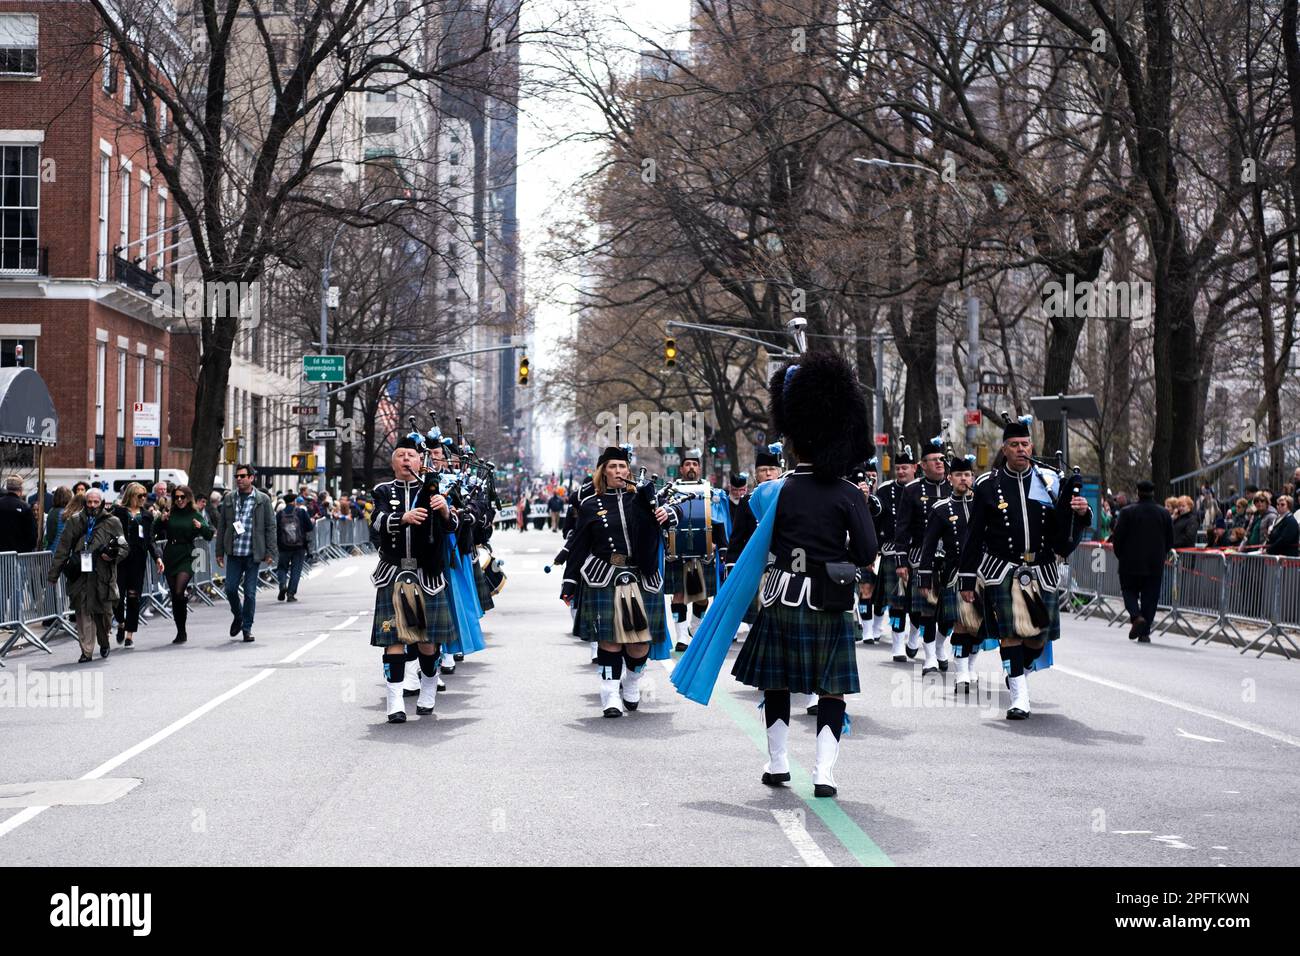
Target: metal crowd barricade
(1253, 596)
(1288, 602)
(1199, 580)
(204, 564)
(29, 601)
(155, 594)
(1094, 575)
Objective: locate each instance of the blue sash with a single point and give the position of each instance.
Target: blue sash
(463, 595)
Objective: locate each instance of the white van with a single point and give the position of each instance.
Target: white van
(113, 481)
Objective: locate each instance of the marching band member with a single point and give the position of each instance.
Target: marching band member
(767, 466)
(817, 525)
(865, 476)
(892, 597)
(689, 572)
(1023, 521)
(410, 587)
(913, 516)
(614, 552)
(936, 571)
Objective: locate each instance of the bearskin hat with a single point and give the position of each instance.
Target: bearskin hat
(817, 404)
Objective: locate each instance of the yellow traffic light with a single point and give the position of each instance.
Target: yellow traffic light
(523, 370)
(230, 452)
(670, 352)
(303, 461)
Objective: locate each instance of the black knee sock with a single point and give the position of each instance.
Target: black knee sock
(610, 663)
(411, 652)
(1015, 657)
(776, 706)
(634, 663)
(679, 612)
(429, 664)
(928, 629)
(830, 713)
(1031, 653)
(394, 668)
(699, 609)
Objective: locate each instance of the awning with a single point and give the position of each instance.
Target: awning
(27, 415)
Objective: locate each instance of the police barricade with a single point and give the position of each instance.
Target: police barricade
(29, 601)
(321, 532)
(203, 585)
(1288, 605)
(155, 594)
(1094, 576)
(1080, 580)
(1199, 580)
(1252, 598)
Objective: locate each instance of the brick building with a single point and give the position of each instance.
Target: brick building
(83, 240)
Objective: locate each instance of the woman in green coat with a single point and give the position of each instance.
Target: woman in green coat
(184, 526)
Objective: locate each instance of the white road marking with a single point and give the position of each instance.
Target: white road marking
(533, 551)
(1208, 740)
(1173, 842)
(791, 822)
(1131, 832)
(1181, 705)
(108, 766)
(346, 624)
(346, 572)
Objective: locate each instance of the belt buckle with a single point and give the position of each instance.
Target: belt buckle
(1029, 557)
(409, 564)
(618, 560)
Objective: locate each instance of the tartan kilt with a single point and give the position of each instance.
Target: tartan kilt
(887, 583)
(800, 650)
(675, 578)
(596, 613)
(999, 620)
(751, 612)
(383, 630)
(484, 590)
(919, 605)
(949, 613)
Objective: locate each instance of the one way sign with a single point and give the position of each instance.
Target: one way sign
(322, 434)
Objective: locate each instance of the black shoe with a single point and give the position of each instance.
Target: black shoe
(410, 693)
(293, 598)
(1144, 639)
(441, 686)
(423, 711)
(248, 637)
(964, 685)
(84, 658)
(1135, 627)
(457, 657)
(811, 710)
(929, 670)
(283, 592)
(613, 712)
(900, 659)
(397, 718)
(824, 790)
(121, 634)
(630, 704)
(179, 638)
(911, 652)
(236, 626)
(775, 779)
(447, 670)
(1015, 713)
(680, 648)
(103, 650)
(943, 666)
(130, 642)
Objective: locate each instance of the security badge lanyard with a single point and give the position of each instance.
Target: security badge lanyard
(87, 556)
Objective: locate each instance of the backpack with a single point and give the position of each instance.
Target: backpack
(289, 529)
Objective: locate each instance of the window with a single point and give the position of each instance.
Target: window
(9, 352)
(139, 397)
(121, 408)
(124, 221)
(110, 74)
(162, 121)
(103, 218)
(127, 99)
(18, 32)
(381, 124)
(454, 158)
(101, 356)
(144, 223)
(162, 231)
(19, 208)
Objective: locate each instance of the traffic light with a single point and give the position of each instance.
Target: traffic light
(523, 370)
(670, 352)
(230, 452)
(303, 462)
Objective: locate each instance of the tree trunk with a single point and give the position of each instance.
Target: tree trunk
(217, 337)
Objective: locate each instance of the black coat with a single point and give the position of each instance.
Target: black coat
(1185, 528)
(1284, 536)
(1142, 536)
(17, 525)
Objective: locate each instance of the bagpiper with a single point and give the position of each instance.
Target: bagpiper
(693, 542)
(1024, 519)
(614, 552)
(866, 476)
(767, 467)
(913, 516)
(936, 571)
(413, 523)
(892, 596)
(818, 527)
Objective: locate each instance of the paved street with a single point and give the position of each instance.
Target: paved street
(278, 753)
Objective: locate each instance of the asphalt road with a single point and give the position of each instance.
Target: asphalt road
(278, 752)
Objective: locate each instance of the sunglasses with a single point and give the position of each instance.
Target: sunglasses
(243, 476)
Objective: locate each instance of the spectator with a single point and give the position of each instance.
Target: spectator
(1235, 538)
(80, 488)
(88, 553)
(1238, 517)
(212, 510)
(1284, 536)
(1184, 523)
(555, 507)
(293, 534)
(521, 510)
(54, 519)
(1261, 520)
(183, 526)
(160, 491)
(1143, 536)
(247, 540)
(344, 508)
(17, 523)
(137, 528)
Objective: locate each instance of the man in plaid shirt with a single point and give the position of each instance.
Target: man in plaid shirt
(247, 541)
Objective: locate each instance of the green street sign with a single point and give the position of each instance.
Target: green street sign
(324, 368)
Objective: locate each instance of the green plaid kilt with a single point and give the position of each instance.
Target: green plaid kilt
(751, 612)
(484, 590)
(919, 605)
(675, 579)
(999, 620)
(596, 613)
(800, 650)
(949, 603)
(888, 582)
(383, 631)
